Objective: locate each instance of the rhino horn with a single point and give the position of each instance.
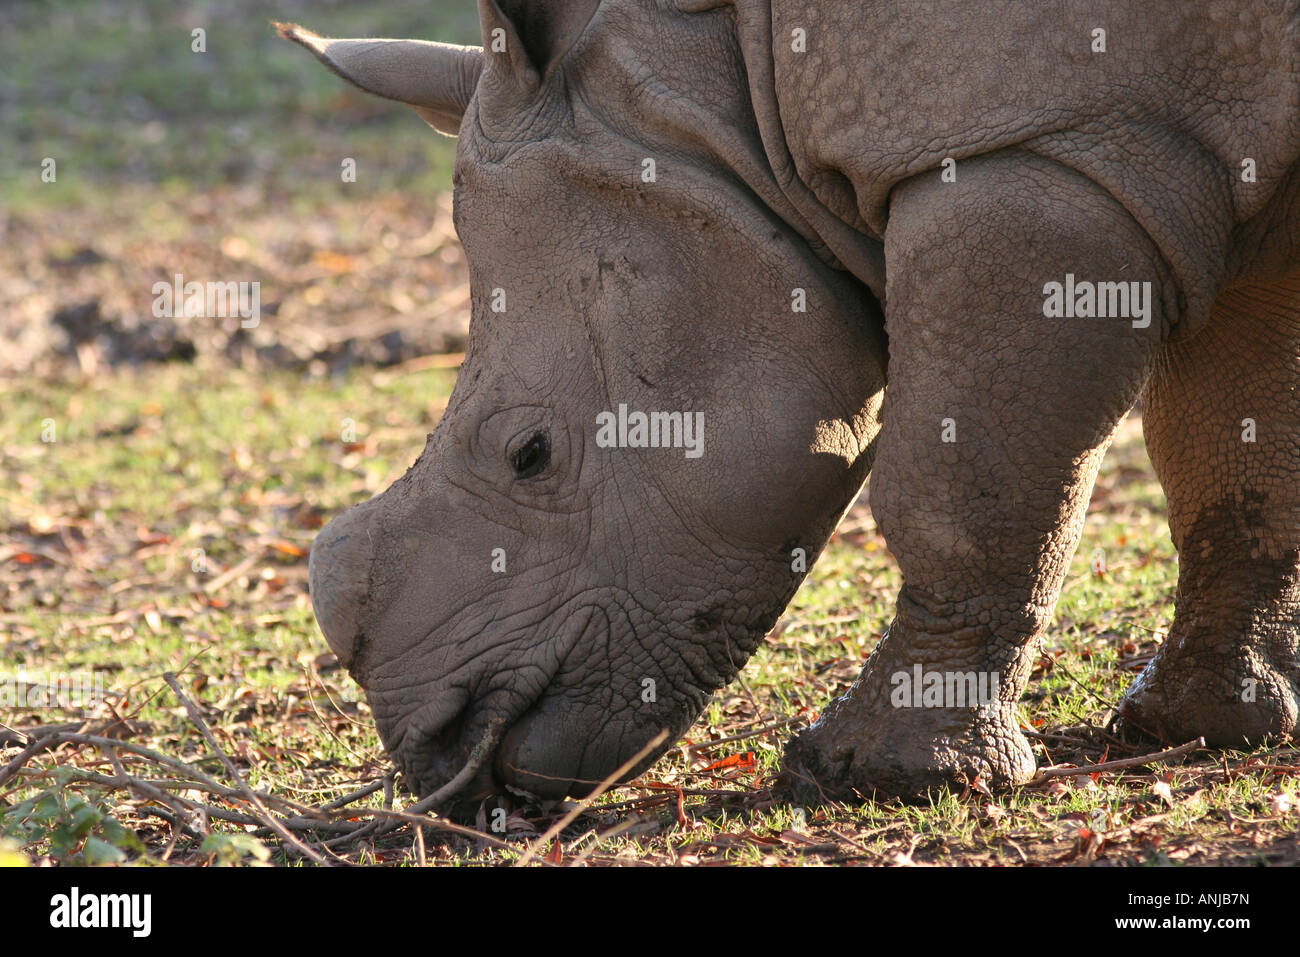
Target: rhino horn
(437, 79)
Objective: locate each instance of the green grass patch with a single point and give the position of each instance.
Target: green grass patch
(115, 93)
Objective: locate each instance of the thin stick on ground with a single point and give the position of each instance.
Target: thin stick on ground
(620, 828)
(25, 755)
(262, 813)
(1120, 764)
(193, 779)
(476, 758)
(230, 574)
(156, 794)
(357, 795)
(442, 824)
(1076, 683)
(591, 798)
(744, 735)
(146, 789)
(156, 790)
(71, 737)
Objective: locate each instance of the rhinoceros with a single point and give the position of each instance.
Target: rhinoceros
(700, 234)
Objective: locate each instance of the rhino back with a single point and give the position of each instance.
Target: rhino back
(1163, 118)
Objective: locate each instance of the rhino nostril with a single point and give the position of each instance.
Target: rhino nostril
(339, 573)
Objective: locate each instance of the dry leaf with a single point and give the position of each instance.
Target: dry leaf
(744, 761)
(556, 854)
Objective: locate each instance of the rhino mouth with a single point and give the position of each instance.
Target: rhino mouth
(455, 762)
(571, 771)
(476, 755)
(462, 730)
(534, 735)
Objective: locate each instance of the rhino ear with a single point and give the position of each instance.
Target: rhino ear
(437, 79)
(532, 36)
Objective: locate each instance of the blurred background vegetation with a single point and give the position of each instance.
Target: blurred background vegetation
(113, 90)
(222, 165)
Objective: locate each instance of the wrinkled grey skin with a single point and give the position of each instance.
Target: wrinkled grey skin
(821, 168)
(622, 565)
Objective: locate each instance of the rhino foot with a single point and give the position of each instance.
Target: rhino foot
(854, 753)
(1235, 698)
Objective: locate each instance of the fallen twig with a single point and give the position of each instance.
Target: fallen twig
(230, 574)
(442, 824)
(586, 802)
(476, 758)
(154, 793)
(599, 839)
(706, 745)
(1118, 765)
(25, 755)
(267, 818)
(130, 783)
(1057, 666)
(357, 795)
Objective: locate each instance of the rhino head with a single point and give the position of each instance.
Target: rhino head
(668, 399)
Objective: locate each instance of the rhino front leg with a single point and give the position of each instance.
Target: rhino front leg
(1223, 428)
(995, 422)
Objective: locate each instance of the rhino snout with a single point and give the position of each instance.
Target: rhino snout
(339, 569)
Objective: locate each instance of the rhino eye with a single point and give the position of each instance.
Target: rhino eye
(532, 457)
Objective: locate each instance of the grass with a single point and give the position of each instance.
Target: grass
(114, 92)
(150, 470)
